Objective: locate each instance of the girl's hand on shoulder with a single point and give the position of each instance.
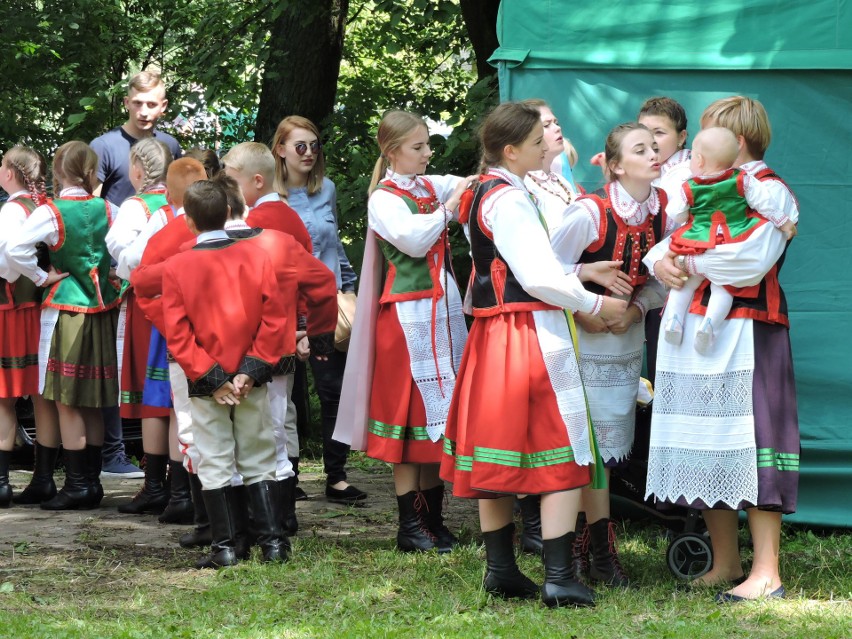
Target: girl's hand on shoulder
(609, 275)
(453, 201)
(612, 309)
(590, 323)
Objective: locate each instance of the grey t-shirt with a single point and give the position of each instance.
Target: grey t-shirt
(113, 149)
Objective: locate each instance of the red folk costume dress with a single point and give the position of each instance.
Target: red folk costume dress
(729, 436)
(20, 310)
(518, 421)
(409, 332)
(134, 330)
(77, 362)
(610, 225)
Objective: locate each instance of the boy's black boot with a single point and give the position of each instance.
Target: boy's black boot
(266, 509)
(5, 488)
(179, 510)
(200, 536)
(218, 503)
(287, 496)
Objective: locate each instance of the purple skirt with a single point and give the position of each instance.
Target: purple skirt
(776, 422)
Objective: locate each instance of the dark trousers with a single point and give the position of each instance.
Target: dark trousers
(113, 433)
(328, 381)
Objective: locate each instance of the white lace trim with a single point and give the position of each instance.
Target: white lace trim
(563, 370)
(415, 317)
(713, 476)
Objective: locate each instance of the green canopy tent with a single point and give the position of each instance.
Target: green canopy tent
(596, 62)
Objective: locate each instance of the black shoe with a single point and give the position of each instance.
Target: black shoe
(531, 518)
(349, 496)
(5, 488)
(153, 496)
(94, 463)
(179, 510)
(219, 506)
(445, 540)
(561, 586)
(41, 487)
(266, 512)
(299, 494)
(200, 536)
(413, 534)
(605, 566)
(503, 578)
(77, 492)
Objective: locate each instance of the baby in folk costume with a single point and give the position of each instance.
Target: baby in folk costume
(77, 358)
(409, 332)
(518, 423)
(22, 177)
(719, 204)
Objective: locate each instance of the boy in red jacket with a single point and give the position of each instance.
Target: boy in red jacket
(225, 325)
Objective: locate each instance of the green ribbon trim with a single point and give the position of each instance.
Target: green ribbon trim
(157, 374)
(131, 397)
(25, 361)
(391, 431)
(769, 458)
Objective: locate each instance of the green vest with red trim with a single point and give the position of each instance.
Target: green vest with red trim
(406, 277)
(22, 293)
(81, 251)
(151, 201)
(718, 208)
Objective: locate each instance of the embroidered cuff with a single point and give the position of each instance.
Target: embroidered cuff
(578, 268)
(208, 383)
(598, 305)
(302, 323)
(322, 344)
(257, 369)
(285, 366)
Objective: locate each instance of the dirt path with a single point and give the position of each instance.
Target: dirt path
(24, 529)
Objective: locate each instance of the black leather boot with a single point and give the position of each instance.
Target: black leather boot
(219, 508)
(287, 497)
(531, 518)
(179, 510)
(606, 566)
(153, 496)
(242, 519)
(580, 548)
(413, 534)
(77, 491)
(94, 464)
(503, 578)
(445, 540)
(41, 486)
(561, 587)
(200, 536)
(266, 510)
(5, 488)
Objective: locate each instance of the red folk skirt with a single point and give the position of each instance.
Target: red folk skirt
(137, 339)
(19, 333)
(397, 422)
(505, 434)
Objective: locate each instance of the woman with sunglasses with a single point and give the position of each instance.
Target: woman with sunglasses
(300, 177)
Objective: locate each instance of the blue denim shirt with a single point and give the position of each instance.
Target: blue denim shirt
(319, 213)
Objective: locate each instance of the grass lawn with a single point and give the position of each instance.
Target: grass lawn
(362, 587)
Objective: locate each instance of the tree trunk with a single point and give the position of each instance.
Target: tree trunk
(300, 75)
(480, 18)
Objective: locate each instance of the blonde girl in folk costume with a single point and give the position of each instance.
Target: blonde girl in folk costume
(77, 359)
(518, 423)
(149, 163)
(622, 221)
(22, 177)
(410, 330)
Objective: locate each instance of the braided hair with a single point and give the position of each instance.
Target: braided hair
(154, 157)
(29, 169)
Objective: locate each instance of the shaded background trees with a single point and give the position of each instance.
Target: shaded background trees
(235, 68)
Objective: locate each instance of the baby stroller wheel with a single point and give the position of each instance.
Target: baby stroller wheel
(689, 555)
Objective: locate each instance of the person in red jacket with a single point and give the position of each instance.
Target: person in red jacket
(225, 325)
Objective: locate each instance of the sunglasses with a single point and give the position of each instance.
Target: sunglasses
(301, 148)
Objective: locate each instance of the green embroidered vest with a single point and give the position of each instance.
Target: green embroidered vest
(81, 251)
(715, 202)
(406, 277)
(23, 292)
(151, 201)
